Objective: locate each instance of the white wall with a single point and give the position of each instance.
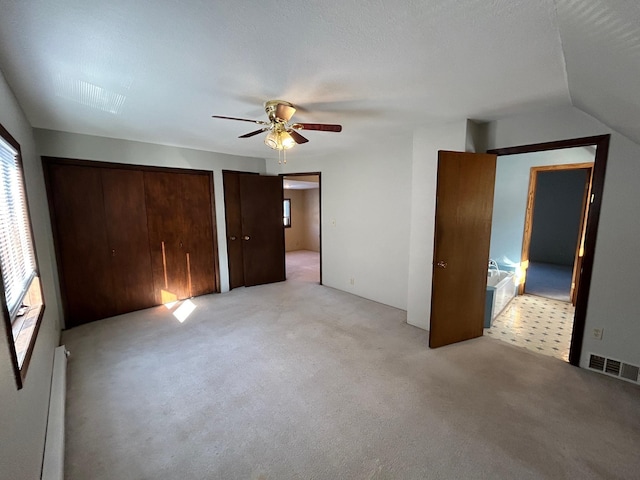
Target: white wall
(86, 147)
(23, 413)
(613, 302)
(365, 217)
(511, 193)
(424, 163)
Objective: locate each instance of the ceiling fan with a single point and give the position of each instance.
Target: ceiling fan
(282, 133)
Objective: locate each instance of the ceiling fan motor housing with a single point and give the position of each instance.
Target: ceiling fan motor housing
(275, 107)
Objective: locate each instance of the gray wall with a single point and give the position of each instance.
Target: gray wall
(364, 187)
(556, 216)
(23, 413)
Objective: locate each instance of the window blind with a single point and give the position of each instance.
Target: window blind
(17, 259)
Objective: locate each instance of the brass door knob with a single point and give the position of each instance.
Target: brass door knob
(441, 264)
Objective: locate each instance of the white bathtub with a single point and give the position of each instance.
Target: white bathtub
(501, 288)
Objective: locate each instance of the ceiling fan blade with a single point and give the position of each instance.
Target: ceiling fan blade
(259, 122)
(297, 137)
(325, 127)
(284, 112)
(251, 134)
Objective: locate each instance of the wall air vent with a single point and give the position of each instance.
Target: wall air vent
(630, 372)
(614, 368)
(596, 362)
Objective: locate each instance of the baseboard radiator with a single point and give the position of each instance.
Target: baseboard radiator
(53, 461)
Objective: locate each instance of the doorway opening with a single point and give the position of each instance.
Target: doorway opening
(555, 225)
(302, 222)
(535, 319)
(555, 211)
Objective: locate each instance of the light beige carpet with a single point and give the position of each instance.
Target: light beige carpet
(299, 381)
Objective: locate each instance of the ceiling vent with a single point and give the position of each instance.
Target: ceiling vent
(614, 368)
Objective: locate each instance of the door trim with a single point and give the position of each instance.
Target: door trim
(601, 143)
(319, 174)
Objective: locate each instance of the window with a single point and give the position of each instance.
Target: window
(287, 212)
(22, 304)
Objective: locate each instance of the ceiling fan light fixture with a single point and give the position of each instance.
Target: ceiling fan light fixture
(279, 140)
(271, 140)
(286, 141)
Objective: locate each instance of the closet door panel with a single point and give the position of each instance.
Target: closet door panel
(164, 219)
(233, 220)
(128, 236)
(197, 233)
(81, 239)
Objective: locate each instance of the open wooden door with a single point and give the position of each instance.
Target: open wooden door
(464, 208)
(262, 229)
(233, 222)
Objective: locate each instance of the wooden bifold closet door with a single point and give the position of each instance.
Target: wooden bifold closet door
(128, 238)
(101, 235)
(180, 234)
(81, 240)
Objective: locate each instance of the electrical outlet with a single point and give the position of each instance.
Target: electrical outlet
(352, 281)
(597, 333)
(333, 222)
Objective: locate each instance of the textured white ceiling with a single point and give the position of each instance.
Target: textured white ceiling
(156, 70)
(601, 41)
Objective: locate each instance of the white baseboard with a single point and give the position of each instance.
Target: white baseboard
(53, 461)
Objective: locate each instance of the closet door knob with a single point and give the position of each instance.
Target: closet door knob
(113, 252)
(233, 237)
(246, 237)
(441, 264)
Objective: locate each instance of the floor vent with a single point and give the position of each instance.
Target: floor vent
(615, 368)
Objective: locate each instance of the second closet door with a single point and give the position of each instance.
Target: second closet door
(128, 239)
(197, 226)
(179, 217)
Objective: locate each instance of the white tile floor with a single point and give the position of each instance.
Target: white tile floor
(536, 323)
